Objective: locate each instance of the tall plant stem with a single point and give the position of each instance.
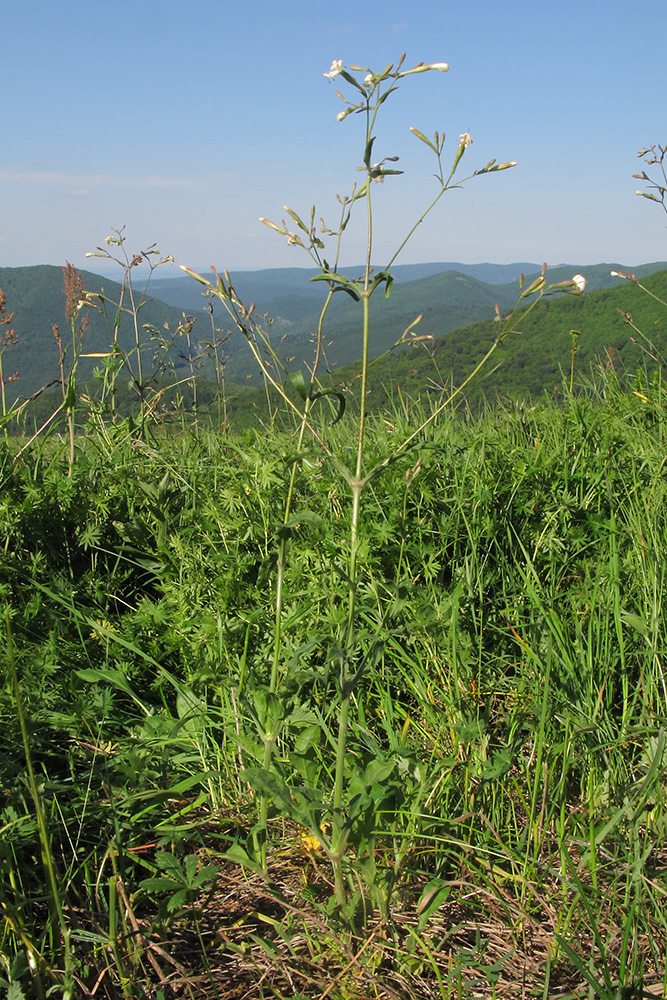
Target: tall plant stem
(280, 574)
(269, 739)
(345, 680)
(418, 223)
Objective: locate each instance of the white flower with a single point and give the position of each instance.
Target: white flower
(422, 68)
(369, 80)
(465, 140)
(579, 282)
(336, 68)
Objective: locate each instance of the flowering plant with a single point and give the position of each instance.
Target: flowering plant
(352, 649)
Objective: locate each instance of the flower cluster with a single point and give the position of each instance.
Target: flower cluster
(371, 79)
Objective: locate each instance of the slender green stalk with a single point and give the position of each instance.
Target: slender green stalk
(574, 334)
(347, 659)
(281, 566)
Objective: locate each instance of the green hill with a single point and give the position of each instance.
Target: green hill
(266, 285)
(35, 295)
(534, 360)
(456, 310)
(447, 301)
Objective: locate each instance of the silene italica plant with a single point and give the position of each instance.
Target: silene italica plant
(337, 816)
(408, 672)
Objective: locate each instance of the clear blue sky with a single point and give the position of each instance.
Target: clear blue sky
(185, 122)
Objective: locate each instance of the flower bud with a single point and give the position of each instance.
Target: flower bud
(193, 274)
(442, 67)
(273, 226)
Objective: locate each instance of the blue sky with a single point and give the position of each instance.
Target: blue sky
(186, 122)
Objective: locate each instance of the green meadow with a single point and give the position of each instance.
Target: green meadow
(351, 685)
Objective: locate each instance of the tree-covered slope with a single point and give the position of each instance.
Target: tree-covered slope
(448, 301)
(534, 360)
(35, 296)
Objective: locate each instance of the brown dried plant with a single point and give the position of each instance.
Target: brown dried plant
(8, 338)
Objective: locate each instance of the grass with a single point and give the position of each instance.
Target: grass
(504, 774)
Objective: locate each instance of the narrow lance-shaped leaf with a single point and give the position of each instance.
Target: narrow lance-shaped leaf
(341, 402)
(298, 381)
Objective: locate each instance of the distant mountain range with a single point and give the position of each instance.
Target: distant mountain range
(263, 286)
(448, 299)
(448, 296)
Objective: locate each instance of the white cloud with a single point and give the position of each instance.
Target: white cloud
(82, 183)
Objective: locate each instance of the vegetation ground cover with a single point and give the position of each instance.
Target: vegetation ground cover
(363, 703)
(507, 749)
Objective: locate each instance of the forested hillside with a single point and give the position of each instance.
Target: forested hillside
(534, 360)
(35, 295)
(457, 313)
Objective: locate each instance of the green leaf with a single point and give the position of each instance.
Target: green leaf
(269, 784)
(342, 283)
(191, 863)
(167, 861)
(188, 704)
(239, 856)
(499, 765)
(384, 276)
(114, 677)
(69, 401)
(635, 622)
(350, 79)
(160, 883)
(299, 383)
(177, 900)
(270, 711)
(341, 402)
(435, 894)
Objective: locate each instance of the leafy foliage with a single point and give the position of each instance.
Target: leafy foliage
(516, 568)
